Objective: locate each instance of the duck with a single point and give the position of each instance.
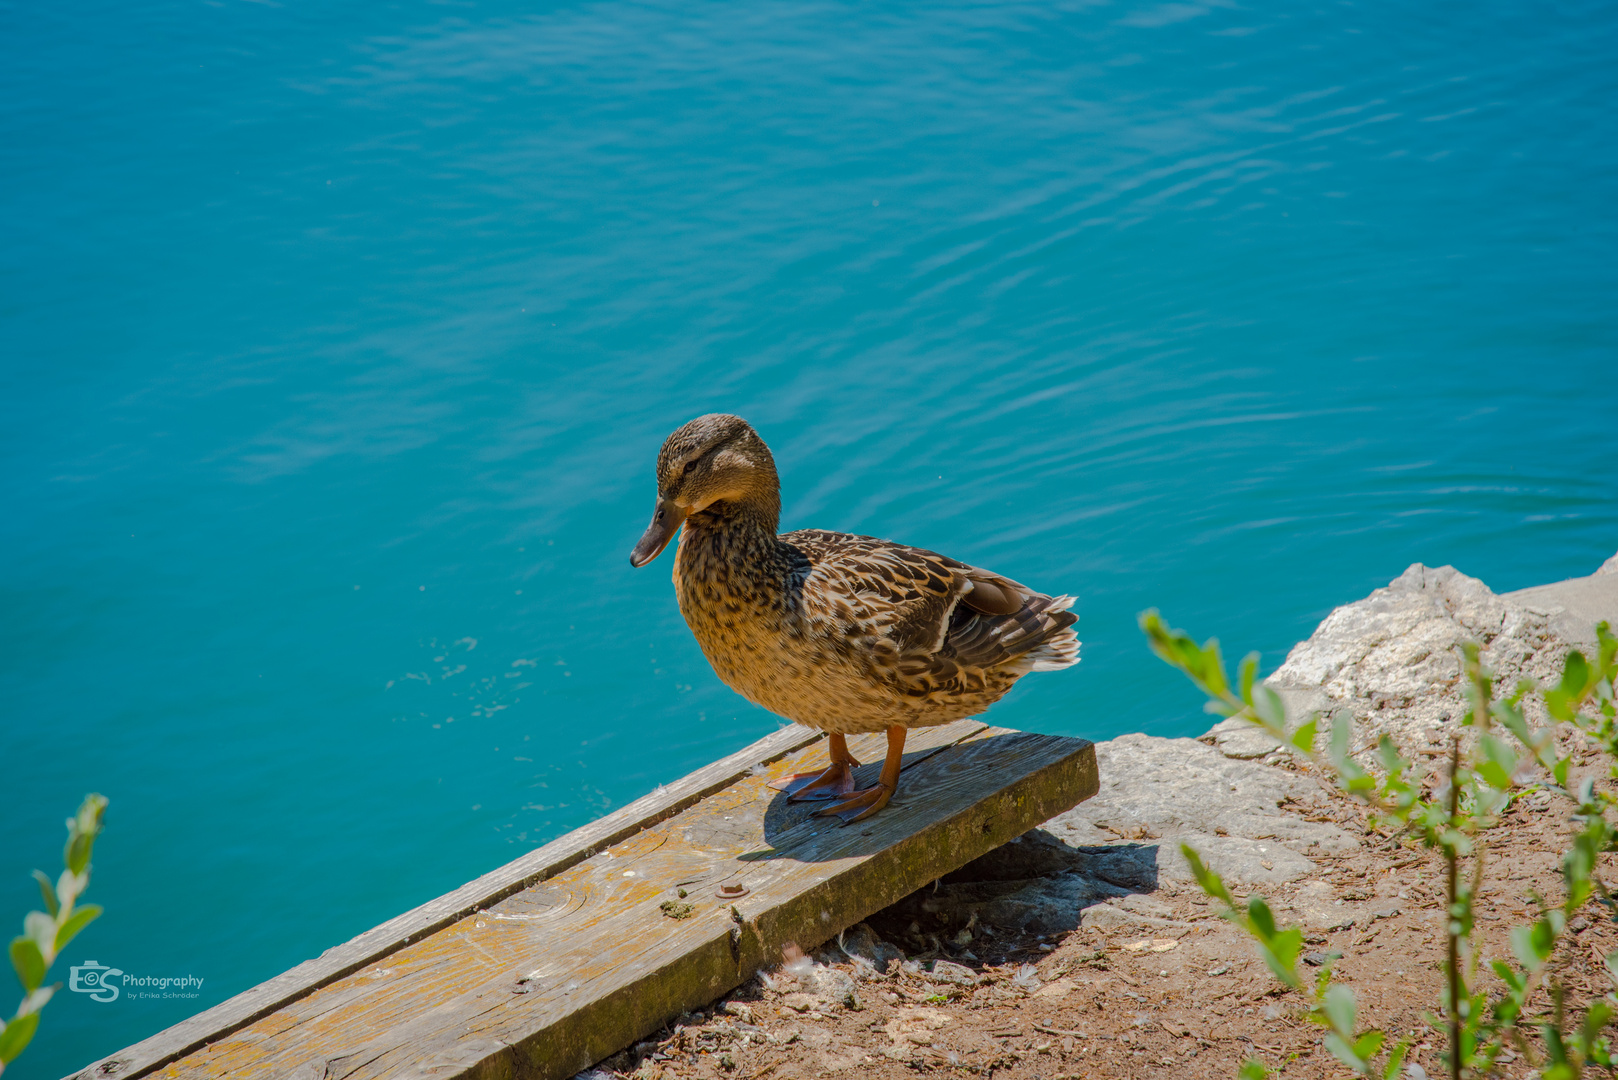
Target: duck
(841, 633)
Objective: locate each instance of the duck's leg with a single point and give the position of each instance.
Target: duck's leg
(867, 802)
(835, 781)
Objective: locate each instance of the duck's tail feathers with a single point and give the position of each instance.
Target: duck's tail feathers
(1061, 649)
(1037, 637)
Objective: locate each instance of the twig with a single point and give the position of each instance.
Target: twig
(1452, 959)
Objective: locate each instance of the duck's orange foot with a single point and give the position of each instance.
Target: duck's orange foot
(861, 806)
(834, 782)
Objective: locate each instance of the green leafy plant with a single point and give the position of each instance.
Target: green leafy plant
(46, 933)
(1479, 783)
(1253, 1069)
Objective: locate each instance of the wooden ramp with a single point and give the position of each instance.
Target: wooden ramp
(572, 952)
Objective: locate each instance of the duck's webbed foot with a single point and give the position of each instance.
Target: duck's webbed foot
(861, 806)
(833, 782)
(865, 803)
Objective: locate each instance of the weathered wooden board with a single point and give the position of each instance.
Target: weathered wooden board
(377, 942)
(569, 956)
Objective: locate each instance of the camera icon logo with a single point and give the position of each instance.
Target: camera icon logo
(91, 978)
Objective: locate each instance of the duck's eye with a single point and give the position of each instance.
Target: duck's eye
(689, 466)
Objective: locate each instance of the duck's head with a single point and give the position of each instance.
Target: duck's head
(716, 458)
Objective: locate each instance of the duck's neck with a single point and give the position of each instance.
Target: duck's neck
(731, 535)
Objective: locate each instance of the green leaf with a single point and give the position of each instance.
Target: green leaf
(1202, 664)
(1246, 674)
(1343, 1051)
(1511, 718)
(1559, 772)
(1253, 1069)
(1342, 732)
(37, 1000)
(1555, 1048)
(46, 891)
(1533, 943)
(1281, 954)
(78, 852)
(1340, 1009)
(29, 962)
(15, 1038)
(1304, 737)
(40, 928)
(78, 921)
(1210, 882)
(1575, 674)
(1367, 1045)
(1607, 652)
(1493, 775)
(1260, 915)
(1594, 1020)
(70, 886)
(1267, 706)
(1499, 753)
(1157, 633)
(82, 830)
(1509, 975)
(1395, 1059)
(1540, 942)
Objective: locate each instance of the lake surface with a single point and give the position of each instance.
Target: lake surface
(339, 340)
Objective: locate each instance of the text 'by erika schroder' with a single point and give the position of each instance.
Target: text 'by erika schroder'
(105, 983)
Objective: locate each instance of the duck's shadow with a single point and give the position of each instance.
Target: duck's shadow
(795, 829)
(1037, 884)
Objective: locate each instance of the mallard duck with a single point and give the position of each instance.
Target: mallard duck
(841, 633)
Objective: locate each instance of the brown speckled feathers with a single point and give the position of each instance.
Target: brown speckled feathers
(944, 618)
(839, 632)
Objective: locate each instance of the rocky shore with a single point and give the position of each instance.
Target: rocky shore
(1084, 949)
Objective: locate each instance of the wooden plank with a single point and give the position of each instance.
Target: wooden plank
(377, 942)
(572, 966)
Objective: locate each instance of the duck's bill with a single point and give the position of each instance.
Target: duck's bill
(666, 520)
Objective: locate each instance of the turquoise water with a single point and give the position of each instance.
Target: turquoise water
(339, 340)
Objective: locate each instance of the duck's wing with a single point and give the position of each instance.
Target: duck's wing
(932, 618)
